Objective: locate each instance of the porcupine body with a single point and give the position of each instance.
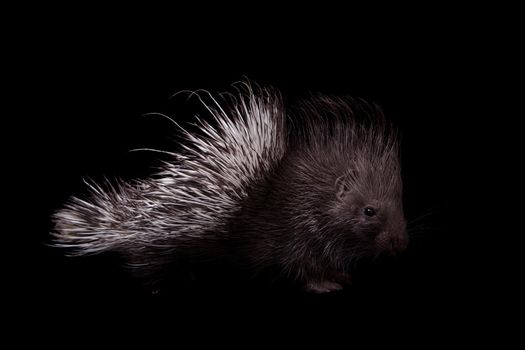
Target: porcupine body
(307, 192)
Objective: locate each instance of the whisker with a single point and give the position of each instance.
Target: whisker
(421, 217)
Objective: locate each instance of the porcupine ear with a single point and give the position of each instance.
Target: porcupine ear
(343, 184)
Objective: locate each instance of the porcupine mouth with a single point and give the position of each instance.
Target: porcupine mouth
(388, 245)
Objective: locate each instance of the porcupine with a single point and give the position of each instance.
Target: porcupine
(308, 191)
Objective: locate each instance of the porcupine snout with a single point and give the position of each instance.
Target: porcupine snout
(394, 239)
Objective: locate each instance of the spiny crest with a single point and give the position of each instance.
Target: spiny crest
(197, 191)
(354, 134)
(243, 145)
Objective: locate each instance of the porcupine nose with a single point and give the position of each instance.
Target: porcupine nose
(399, 239)
(392, 242)
(398, 243)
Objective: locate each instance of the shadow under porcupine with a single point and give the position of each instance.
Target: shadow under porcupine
(300, 193)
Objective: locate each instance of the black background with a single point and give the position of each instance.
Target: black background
(82, 90)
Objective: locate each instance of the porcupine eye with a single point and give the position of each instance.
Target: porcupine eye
(369, 211)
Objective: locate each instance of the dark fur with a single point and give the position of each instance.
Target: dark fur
(307, 217)
(303, 212)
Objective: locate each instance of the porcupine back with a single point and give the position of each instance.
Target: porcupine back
(191, 200)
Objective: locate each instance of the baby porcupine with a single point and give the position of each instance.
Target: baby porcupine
(308, 191)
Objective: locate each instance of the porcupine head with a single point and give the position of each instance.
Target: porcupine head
(308, 191)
